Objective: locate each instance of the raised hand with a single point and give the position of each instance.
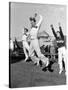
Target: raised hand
(51, 26)
(35, 15)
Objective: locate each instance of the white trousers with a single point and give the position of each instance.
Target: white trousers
(26, 48)
(61, 54)
(34, 46)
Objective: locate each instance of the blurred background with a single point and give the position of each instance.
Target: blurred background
(20, 13)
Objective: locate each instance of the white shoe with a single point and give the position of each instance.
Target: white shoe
(26, 59)
(60, 71)
(47, 63)
(37, 63)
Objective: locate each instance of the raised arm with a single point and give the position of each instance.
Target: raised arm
(61, 33)
(53, 31)
(40, 21)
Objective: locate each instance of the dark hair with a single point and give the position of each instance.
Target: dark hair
(32, 19)
(58, 32)
(26, 29)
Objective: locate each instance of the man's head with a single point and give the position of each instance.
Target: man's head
(32, 21)
(25, 30)
(58, 34)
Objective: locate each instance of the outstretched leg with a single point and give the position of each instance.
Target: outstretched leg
(39, 54)
(26, 48)
(60, 60)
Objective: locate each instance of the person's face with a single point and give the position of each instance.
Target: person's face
(58, 34)
(25, 31)
(33, 23)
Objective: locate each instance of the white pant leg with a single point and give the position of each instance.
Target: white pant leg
(36, 47)
(31, 53)
(31, 50)
(38, 51)
(25, 52)
(60, 52)
(64, 55)
(26, 45)
(25, 48)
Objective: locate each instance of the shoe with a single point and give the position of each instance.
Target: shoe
(44, 69)
(25, 59)
(50, 70)
(35, 63)
(47, 63)
(40, 63)
(60, 71)
(28, 59)
(50, 67)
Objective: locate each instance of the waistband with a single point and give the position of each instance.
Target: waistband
(33, 38)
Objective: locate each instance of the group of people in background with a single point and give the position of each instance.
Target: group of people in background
(31, 45)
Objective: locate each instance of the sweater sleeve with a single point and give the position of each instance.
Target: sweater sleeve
(61, 33)
(40, 21)
(54, 32)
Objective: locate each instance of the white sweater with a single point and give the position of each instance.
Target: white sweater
(34, 30)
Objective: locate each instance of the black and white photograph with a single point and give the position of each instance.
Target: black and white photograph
(37, 44)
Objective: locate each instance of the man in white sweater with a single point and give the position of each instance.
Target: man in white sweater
(34, 45)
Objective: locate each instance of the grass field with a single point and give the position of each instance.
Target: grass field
(26, 74)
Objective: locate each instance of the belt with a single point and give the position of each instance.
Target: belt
(33, 38)
(24, 40)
